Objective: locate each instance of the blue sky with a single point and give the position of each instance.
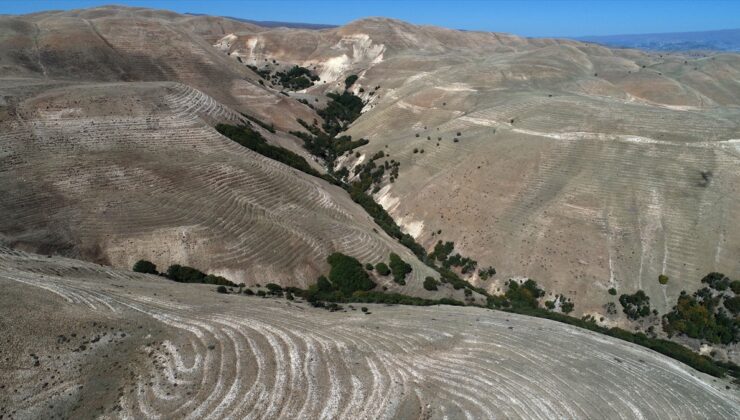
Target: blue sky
(565, 18)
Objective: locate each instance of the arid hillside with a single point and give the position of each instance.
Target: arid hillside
(583, 167)
(117, 172)
(89, 341)
(285, 167)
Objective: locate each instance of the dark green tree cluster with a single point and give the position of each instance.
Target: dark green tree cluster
(253, 140)
(717, 281)
(347, 274)
(430, 283)
(636, 305)
(399, 268)
(185, 274)
(704, 315)
(296, 78)
(486, 273)
(350, 80)
(325, 146)
(382, 269)
(144, 266)
(341, 111)
(263, 73)
(523, 295)
(442, 253)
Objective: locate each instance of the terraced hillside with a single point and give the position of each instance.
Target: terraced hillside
(136, 44)
(117, 172)
(582, 167)
(85, 340)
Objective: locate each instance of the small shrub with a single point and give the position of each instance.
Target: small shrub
(222, 289)
(249, 292)
(369, 267)
(364, 309)
(663, 279)
(612, 291)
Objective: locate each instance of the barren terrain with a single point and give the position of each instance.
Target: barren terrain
(570, 163)
(85, 340)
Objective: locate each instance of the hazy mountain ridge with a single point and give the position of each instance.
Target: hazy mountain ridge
(723, 40)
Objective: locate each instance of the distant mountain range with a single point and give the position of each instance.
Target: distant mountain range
(724, 40)
(276, 24)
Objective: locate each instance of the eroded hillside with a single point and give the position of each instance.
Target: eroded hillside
(583, 167)
(108, 342)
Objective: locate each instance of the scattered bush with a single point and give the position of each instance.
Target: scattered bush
(612, 291)
(222, 289)
(369, 267)
(663, 279)
(144, 266)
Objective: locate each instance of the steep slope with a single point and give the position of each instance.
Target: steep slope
(583, 167)
(113, 343)
(121, 171)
